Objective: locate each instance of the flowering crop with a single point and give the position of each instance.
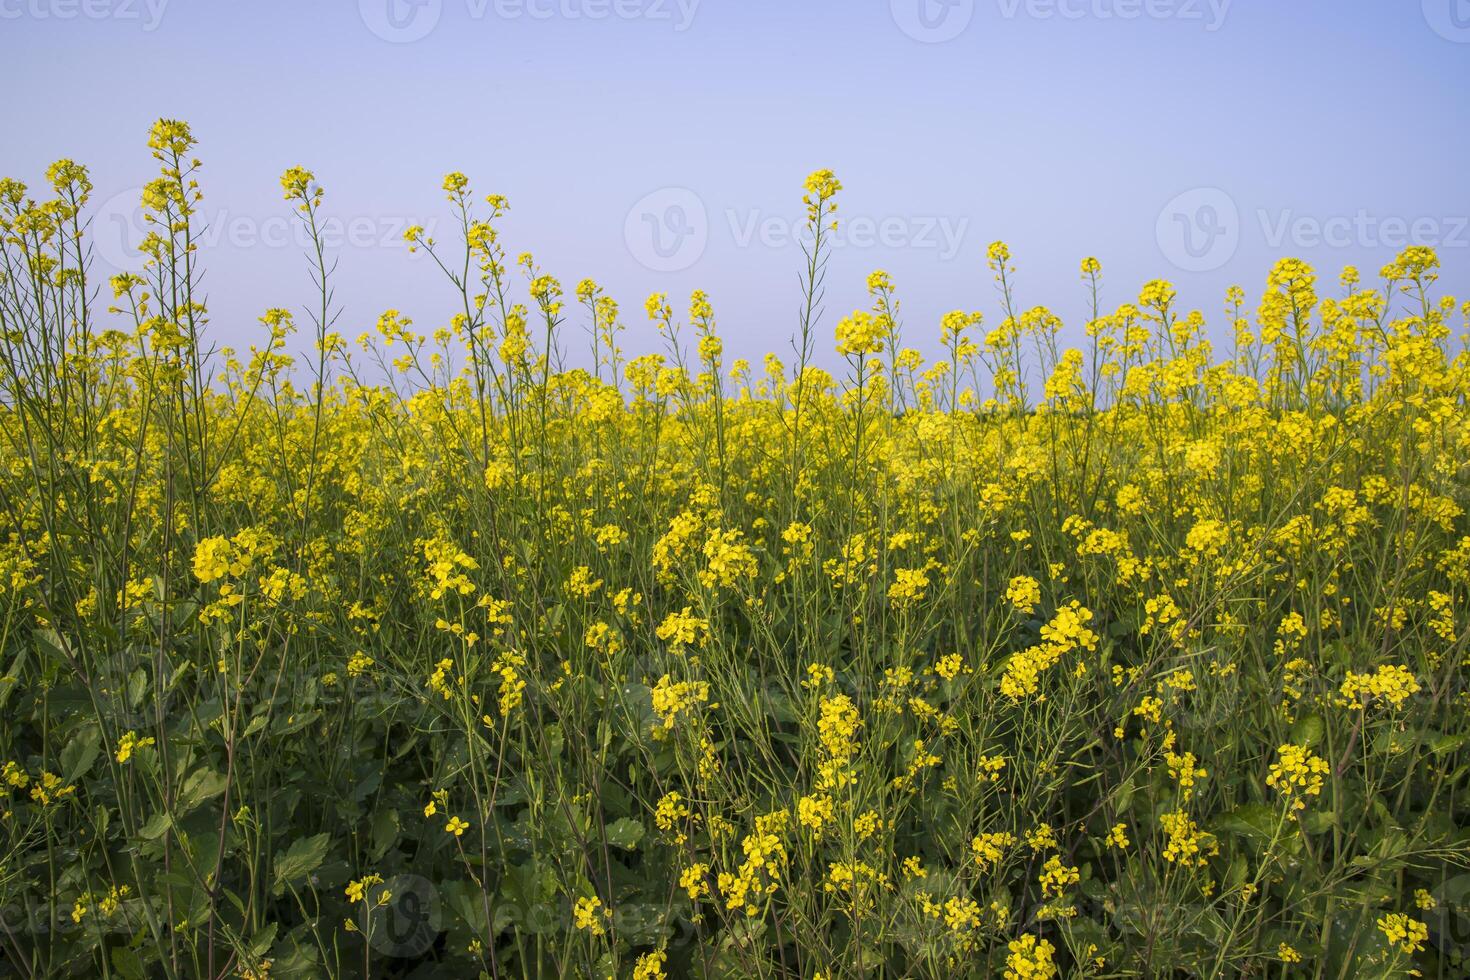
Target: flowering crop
(1140, 658)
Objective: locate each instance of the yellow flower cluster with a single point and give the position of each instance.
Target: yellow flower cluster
(1297, 774)
(1392, 684)
(1030, 958)
(674, 698)
(858, 658)
(1409, 935)
(1067, 632)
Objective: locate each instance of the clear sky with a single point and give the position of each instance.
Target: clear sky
(662, 144)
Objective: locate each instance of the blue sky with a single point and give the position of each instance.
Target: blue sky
(661, 144)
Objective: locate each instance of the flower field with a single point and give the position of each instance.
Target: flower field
(1134, 648)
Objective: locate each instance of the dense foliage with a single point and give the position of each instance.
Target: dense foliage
(431, 655)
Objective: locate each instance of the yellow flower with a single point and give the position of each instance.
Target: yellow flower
(456, 185)
(650, 966)
(990, 849)
(356, 891)
(821, 187)
(585, 915)
(682, 630)
(814, 812)
(1187, 844)
(214, 558)
(861, 333)
(695, 881)
(1041, 838)
(1030, 959)
(296, 183)
(838, 726)
(674, 698)
(1056, 876)
(1297, 773)
(1408, 934)
(1024, 593)
(456, 826)
(949, 667)
(1393, 684)
(128, 744)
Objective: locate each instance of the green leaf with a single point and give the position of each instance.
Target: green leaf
(137, 687)
(1235, 874)
(625, 833)
(262, 941)
(8, 682)
(80, 753)
(201, 785)
(1123, 795)
(299, 860)
(293, 723)
(385, 832)
(127, 963)
(1318, 821)
(1251, 820)
(54, 642)
(156, 826)
(298, 964)
(1308, 731)
(1440, 743)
